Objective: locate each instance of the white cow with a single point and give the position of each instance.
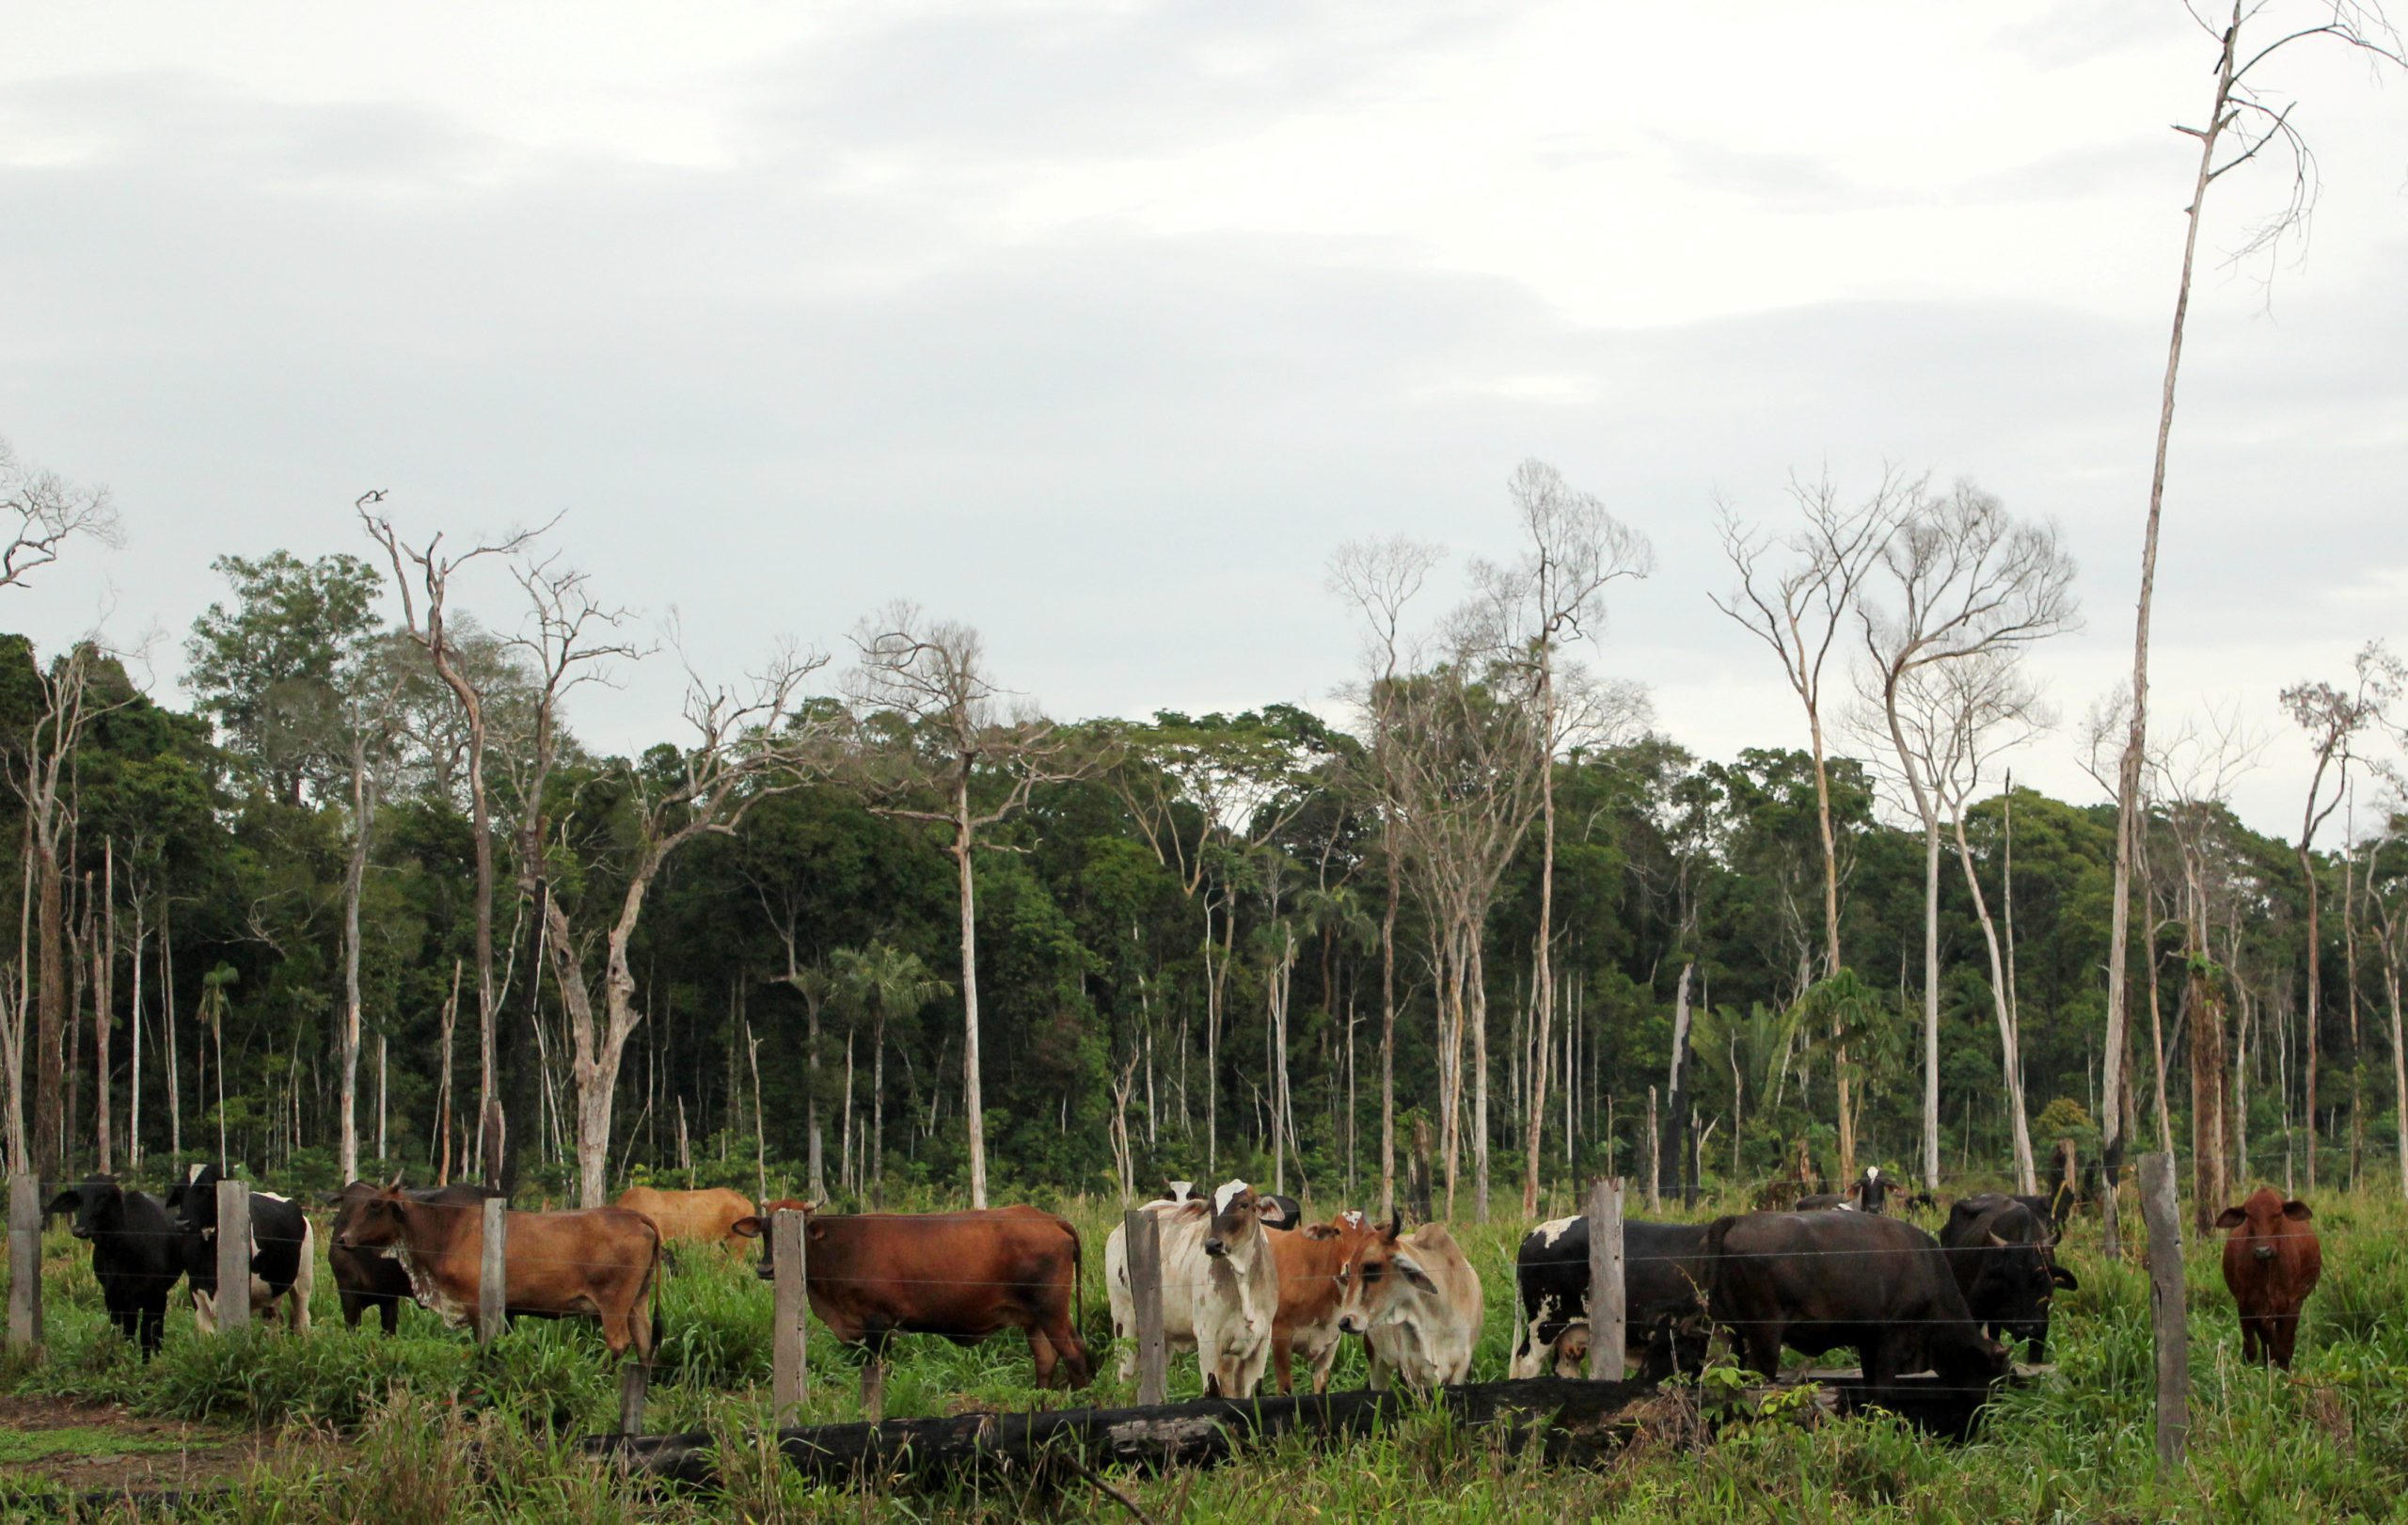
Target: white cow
(1421, 1306)
(1220, 1289)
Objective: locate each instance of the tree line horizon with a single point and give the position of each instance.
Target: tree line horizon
(369, 903)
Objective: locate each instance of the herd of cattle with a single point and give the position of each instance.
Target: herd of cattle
(1245, 1284)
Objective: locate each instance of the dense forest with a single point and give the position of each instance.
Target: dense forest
(370, 906)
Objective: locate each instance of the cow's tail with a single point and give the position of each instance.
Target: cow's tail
(1085, 1368)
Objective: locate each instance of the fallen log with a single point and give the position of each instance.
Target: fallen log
(1574, 1422)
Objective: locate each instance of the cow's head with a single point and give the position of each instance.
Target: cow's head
(379, 1219)
(1179, 1191)
(192, 1202)
(97, 1206)
(1870, 1191)
(2018, 1276)
(2262, 1220)
(1236, 1221)
(758, 1227)
(1378, 1266)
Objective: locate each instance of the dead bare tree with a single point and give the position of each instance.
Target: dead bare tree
(2333, 718)
(951, 726)
(2244, 120)
(745, 749)
(48, 511)
(1798, 610)
(1381, 578)
(1969, 581)
(1552, 597)
(433, 569)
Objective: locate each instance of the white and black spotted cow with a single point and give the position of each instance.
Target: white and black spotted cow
(1663, 1293)
(283, 1249)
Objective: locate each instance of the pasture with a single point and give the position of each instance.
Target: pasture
(427, 1426)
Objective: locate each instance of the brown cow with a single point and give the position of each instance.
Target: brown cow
(701, 1218)
(2271, 1263)
(965, 1276)
(373, 1280)
(1314, 1290)
(601, 1263)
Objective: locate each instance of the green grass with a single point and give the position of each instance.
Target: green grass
(440, 1429)
(21, 1446)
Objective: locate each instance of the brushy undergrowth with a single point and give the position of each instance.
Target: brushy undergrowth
(436, 1429)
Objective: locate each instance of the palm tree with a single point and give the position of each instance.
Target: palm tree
(882, 982)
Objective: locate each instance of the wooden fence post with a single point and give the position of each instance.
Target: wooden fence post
(1606, 1308)
(24, 1262)
(492, 1270)
(2166, 1315)
(1144, 1247)
(789, 1377)
(1654, 1158)
(233, 1255)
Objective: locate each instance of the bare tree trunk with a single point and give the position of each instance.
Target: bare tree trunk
(133, 1035)
(49, 1015)
(1388, 1042)
(2315, 993)
(1676, 1092)
(104, 1008)
(1832, 937)
(2009, 1041)
(354, 880)
(877, 1107)
(973, 1106)
(1542, 975)
(1931, 995)
(167, 1013)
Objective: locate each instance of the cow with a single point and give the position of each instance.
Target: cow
(699, 1217)
(1662, 1287)
(137, 1255)
(964, 1276)
(1314, 1292)
(1281, 1213)
(2001, 1254)
(2272, 1262)
(1868, 1195)
(284, 1261)
(1220, 1288)
(373, 1280)
(1817, 1281)
(1418, 1307)
(603, 1262)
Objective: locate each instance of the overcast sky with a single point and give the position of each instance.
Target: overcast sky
(1099, 326)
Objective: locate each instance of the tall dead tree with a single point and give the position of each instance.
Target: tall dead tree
(1968, 581)
(1552, 597)
(2333, 718)
(426, 614)
(1798, 610)
(745, 748)
(952, 728)
(2244, 118)
(1381, 579)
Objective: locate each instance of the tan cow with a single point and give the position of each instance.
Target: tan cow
(698, 1217)
(1420, 1307)
(1220, 1288)
(599, 1263)
(1314, 1292)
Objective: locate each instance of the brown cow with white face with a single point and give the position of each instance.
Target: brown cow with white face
(598, 1263)
(1314, 1293)
(2271, 1263)
(1419, 1307)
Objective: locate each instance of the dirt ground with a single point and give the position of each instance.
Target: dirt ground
(102, 1448)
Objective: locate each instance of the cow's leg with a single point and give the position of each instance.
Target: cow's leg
(2249, 1339)
(2285, 1336)
(390, 1309)
(1283, 1351)
(1063, 1337)
(1324, 1359)
(1041, 1355)
(152, 1318)
(1761, 1344)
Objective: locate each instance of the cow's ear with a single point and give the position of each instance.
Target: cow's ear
(1319, 1231)
(749, 1228)
(1409, 1269)
(2064, 1277)
(2298, 1212)
(66, 1202)
(2231, 1217)
(813, 1230)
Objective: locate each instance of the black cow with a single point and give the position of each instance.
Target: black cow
(372, 1280)
(137, 1256)
(2000, 1250)
(284, 1262)
(1869, 1195)
(1815, 1282)
(2055, 1209)
(1662, 1285)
